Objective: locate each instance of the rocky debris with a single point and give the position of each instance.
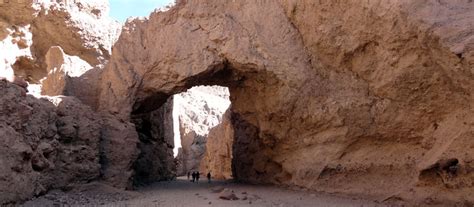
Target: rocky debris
(218, 155)
(45, 143)
(330, 96)
(92, 194)
(228, 194)
(198, 110)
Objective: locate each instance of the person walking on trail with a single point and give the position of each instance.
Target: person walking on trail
(194, 176)
(189, 174)
(209, 177)
(197, 176)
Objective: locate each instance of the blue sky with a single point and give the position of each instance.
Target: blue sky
(122, 9)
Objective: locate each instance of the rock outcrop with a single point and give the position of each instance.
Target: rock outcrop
(28, 29)
(218, 155)
(53, 141)
(351, 97)
(61, 67)
(198, 110)
(45, 145)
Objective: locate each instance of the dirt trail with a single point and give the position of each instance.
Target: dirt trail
(185, 193)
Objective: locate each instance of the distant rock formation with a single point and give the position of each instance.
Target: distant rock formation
(219, 149)
(199, 110)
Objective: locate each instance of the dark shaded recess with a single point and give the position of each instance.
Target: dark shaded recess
(153, 164)
(244, 141)
(150, 104)
(143, 127)
(248, 149)
(433, 174)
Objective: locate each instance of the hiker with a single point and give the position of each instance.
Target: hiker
(209, 177)
(194, 176)
(197, 176)
(189, 174)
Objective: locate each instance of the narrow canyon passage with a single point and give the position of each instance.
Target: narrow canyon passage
(191, 132)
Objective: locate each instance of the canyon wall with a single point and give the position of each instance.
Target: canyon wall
(199, 110)
(218, 155)
(81, 29)
(368, 98)
(155, 131)
(53, 142)
(45, 143)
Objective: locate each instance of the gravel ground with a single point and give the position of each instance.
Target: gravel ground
(185, 193)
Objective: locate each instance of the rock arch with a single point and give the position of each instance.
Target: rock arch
(316, 102)
(226, 51)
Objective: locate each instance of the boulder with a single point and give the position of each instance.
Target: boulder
(228, 194)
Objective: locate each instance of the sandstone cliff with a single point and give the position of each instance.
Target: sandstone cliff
(367, 98)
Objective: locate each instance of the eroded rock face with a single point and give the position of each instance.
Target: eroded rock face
(45, 145)
(199, 109)
(28, 29)
(218, 155)
(331, 96)
(61, 67)
(118, 151)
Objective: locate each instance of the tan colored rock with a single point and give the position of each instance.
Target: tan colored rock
(198, 110)
(228, 194)
(348, 96)
(61, 68)
(71, 76)
(219, 147)
(30, 28)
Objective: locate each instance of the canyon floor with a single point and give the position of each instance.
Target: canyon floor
(185, 193)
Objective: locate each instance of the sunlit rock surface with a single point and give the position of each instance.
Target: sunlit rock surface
(199, 110)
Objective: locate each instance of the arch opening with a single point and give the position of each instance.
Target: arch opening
(237, 151)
